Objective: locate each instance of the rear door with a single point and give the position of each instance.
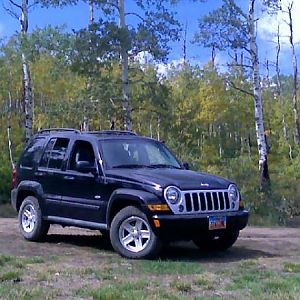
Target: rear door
(30, 158)
(49, 173)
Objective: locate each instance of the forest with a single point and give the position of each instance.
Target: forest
(240, 121)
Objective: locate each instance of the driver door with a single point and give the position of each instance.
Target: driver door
(82, 196)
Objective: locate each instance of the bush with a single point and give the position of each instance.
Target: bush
(5, 186)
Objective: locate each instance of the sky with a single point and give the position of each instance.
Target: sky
(268, 25)
(188, 12)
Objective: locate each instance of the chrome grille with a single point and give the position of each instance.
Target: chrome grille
(206, 201)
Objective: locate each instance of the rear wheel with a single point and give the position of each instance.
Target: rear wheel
(31, 224)
(217, 243)
(131, 234)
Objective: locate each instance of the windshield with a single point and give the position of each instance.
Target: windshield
(137, 153)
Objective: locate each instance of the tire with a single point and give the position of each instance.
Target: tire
(217, 243)
(31, 224)
(131, 235)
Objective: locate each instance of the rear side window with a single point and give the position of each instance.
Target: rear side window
(32, 152)
(54, 153)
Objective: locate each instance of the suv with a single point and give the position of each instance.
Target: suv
(131, 188)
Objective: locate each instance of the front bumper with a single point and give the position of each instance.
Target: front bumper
(185, 227)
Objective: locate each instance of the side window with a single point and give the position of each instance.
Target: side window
(45, 158)
(82, 151)
(54, 153)
(32, 152)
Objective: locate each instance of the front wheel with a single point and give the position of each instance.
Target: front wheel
(31, 224)
(217, 243)
(131, 234)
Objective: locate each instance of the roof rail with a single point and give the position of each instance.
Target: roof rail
(112, 132)
(58, 129)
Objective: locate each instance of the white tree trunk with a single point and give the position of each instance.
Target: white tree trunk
(258, 107)
(158, 128)
(85, 126)
(124, 63)
(27, 89)
(27, 98)
(91, 15)
(278, 48)
(295, 77)
(9, 139)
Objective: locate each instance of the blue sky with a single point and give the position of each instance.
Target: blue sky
(76, 17)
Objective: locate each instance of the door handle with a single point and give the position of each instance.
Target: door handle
(69, 177)
(39, 174)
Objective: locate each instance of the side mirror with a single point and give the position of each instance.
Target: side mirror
(186, 165)
(85, 167)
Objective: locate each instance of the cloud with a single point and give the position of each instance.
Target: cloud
(143, 57)
(267, 28)
(164, 69)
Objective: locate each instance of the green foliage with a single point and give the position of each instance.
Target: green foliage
(5, 174)
(180, 286)
(225, 27)
(168, 267)
(291, 267)
(196, 111)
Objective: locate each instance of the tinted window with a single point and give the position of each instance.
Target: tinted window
(82, 151)
(32, 152)
(135, 153)
(46, 156)
(55, 153)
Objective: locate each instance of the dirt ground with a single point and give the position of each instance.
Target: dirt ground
(77, 262)
(254, 242)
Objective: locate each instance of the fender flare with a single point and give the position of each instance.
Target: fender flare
(138, 197)
(34, 188)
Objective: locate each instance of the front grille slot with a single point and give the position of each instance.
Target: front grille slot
(215, 200)
(221, 200)
(227, 201)
(188, 203)
(203, 202)
(195, 202)
(209, 201)
(206, 201)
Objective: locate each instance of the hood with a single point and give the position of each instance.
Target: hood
(183, 179)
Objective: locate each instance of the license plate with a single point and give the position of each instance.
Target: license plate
(217, 223)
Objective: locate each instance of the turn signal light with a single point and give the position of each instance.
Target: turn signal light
(158, 207)
(156, 223)
(241, 205)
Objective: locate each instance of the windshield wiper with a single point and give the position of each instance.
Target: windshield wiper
(163, 166)
(130, 166)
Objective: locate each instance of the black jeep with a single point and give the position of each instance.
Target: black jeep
(129, 187)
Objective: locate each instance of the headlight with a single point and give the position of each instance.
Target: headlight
(233, 193)
(172, 194)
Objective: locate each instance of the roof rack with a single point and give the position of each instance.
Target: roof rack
(112, 132)
(59, 129)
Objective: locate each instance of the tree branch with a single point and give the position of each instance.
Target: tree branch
(113, 5)
(15, 4)
(32, 5)
(136, 15)
(240, 65)
(11, 12)
(232, 84)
